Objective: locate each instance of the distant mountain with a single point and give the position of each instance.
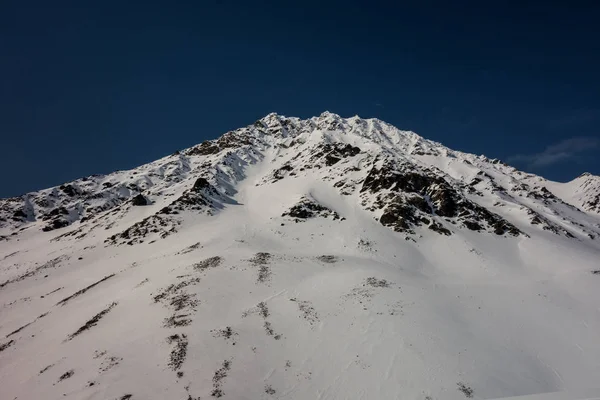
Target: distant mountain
(321, 258)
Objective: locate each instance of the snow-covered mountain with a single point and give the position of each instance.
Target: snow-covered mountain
(325, 258)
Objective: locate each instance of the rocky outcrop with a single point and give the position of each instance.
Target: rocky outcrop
(139, 200)
(158, 226)
(331, 154)
(404, 180)
(308, 208)
(202, 197)
(415, 197)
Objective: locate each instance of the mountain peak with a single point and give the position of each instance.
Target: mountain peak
(327, 141)
(280, 246)
(328, 114)
(587, 175)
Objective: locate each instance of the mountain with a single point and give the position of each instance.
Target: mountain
(583, 191)
(321, 258)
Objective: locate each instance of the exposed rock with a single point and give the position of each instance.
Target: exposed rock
(308, 208)
(55, 213)
(412, 192)
(437, 227)
(55, 224)
(19, 215)
(333, 153)
(69, 190)
(162, 226)
(474, 226)
(139, 200)
(201, 183)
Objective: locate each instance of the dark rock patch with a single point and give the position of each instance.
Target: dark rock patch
(19, 215)
(308, 311)
(157, 224)
(262, 260)
(307, 208)
(218, 377)
(179, 351)
(177, 320)
(281, 172)
(466, 390)
(139, 200)
(204, 149)
(183, 301)
(191, 248)
(99, 354)
(328, 259)
(55, 224)
(226, 333)
(45, 369)
(201, 183)
(93, 322)
(270, 331)
(414, 193)
(82, 291)
(399, 216)
(211, 262)
(332, 153)
(6, 345)
(378, 283)
(19, 329)
(269, 390)
(474, 226)
(109, 363)
(365, 245)
(179, 301)
(56, 212)
(173, 289)
(69, 190)
(26, 325)
(14, 253)
(66, 375)
(439, 228)
(263, 309)
(143, 282)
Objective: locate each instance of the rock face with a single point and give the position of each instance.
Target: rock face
(139, 200)
(410, 196)
(308, 208)
(406, 182)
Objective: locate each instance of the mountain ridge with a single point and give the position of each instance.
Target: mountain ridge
(320, 258)
(88, 196)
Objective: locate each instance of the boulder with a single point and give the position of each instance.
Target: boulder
(139, 200)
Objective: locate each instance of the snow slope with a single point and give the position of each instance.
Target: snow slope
(583, 191)
(326, 258)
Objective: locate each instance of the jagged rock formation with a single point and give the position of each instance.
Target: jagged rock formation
(391, 173)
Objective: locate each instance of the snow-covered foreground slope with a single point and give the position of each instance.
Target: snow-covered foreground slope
(321, 259)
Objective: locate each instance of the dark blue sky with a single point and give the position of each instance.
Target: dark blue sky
(91, 89)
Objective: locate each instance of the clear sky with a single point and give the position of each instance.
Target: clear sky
(90, 89)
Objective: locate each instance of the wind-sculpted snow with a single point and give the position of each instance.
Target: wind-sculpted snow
(332, 258)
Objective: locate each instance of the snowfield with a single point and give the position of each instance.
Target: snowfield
(327, 258)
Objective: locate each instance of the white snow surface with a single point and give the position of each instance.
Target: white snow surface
(339, 308)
